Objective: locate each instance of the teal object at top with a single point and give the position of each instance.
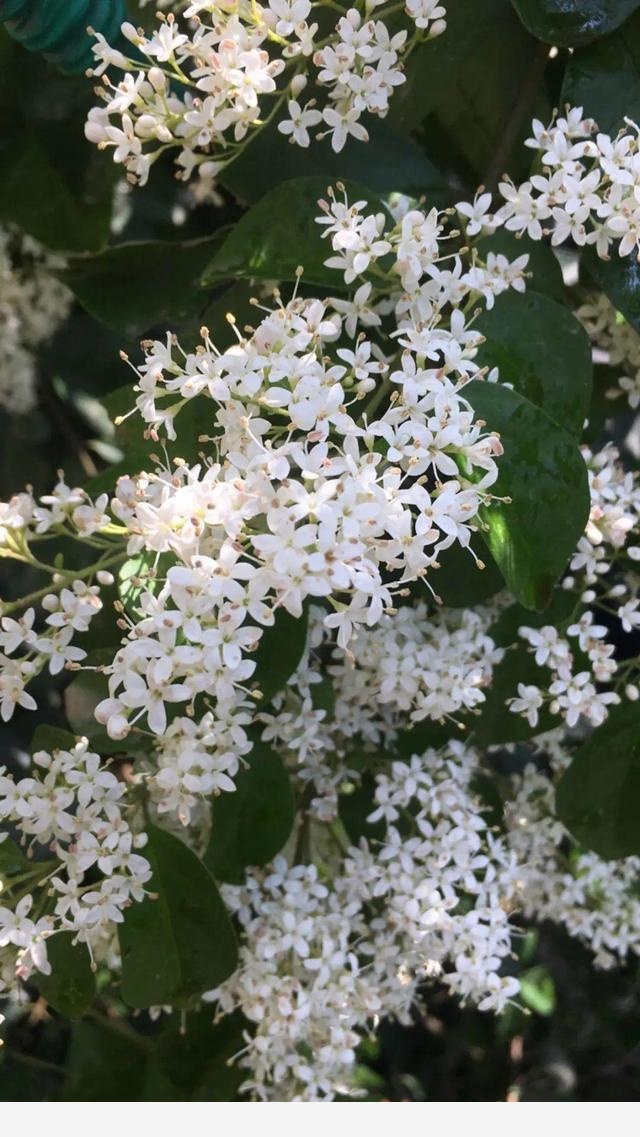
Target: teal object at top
(58, 28)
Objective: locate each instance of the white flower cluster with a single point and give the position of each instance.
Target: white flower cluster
(413, 666)
(73, 805)
(312, 494)
(324, 956)
(32, 305)
(72, 599)
(203, 90)
(616, 344)
(602, 574)
(596, 901)
(584, 192)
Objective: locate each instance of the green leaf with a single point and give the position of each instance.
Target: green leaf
(466, 83)
(570, 23)
(604, 78)
(598, 798)
(270, 160)
(12, 859)
(543, 264)
(543, 351)
(619, 278)
(195, 1056)
(279, 652)
(135, 286)
(460, 583)
(538, 990)
(279, 233)
(182, 943)
(105, 1062)
(71, 986)
(543, 472)
(51, 738)
(252, 824)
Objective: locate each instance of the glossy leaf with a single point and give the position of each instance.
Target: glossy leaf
(604, 77)
(571, 23)
(252, 824)
(544, 475)
(464, 85)
(279, 234)
(619, 278)
(71, 986)
(133, 287)
(598, 798)
(543, 351)
(182, 943)
(271, 160)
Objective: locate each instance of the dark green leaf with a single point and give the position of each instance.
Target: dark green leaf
(106, 1062)
(195, 1057)
(279, 234)
(136, 286)
(182, 943)
(251, 825)
(543, 351)
(279, 652)
(543, 472)
(270, 160)
(570, 23)
(598, 798)
(460, 583)
(51, 738)
(467, 84)
(12, 860)
(619, 278)
(604, 78)
(71, 986)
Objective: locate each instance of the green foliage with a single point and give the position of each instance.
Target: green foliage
(542, 472)
(134, 287)
(179, 942)
(251, 825)
(70, 988)
(598, 798)
(570, 23)
(279, 235)
(604, 77)
(53, 185)
(541, 349)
